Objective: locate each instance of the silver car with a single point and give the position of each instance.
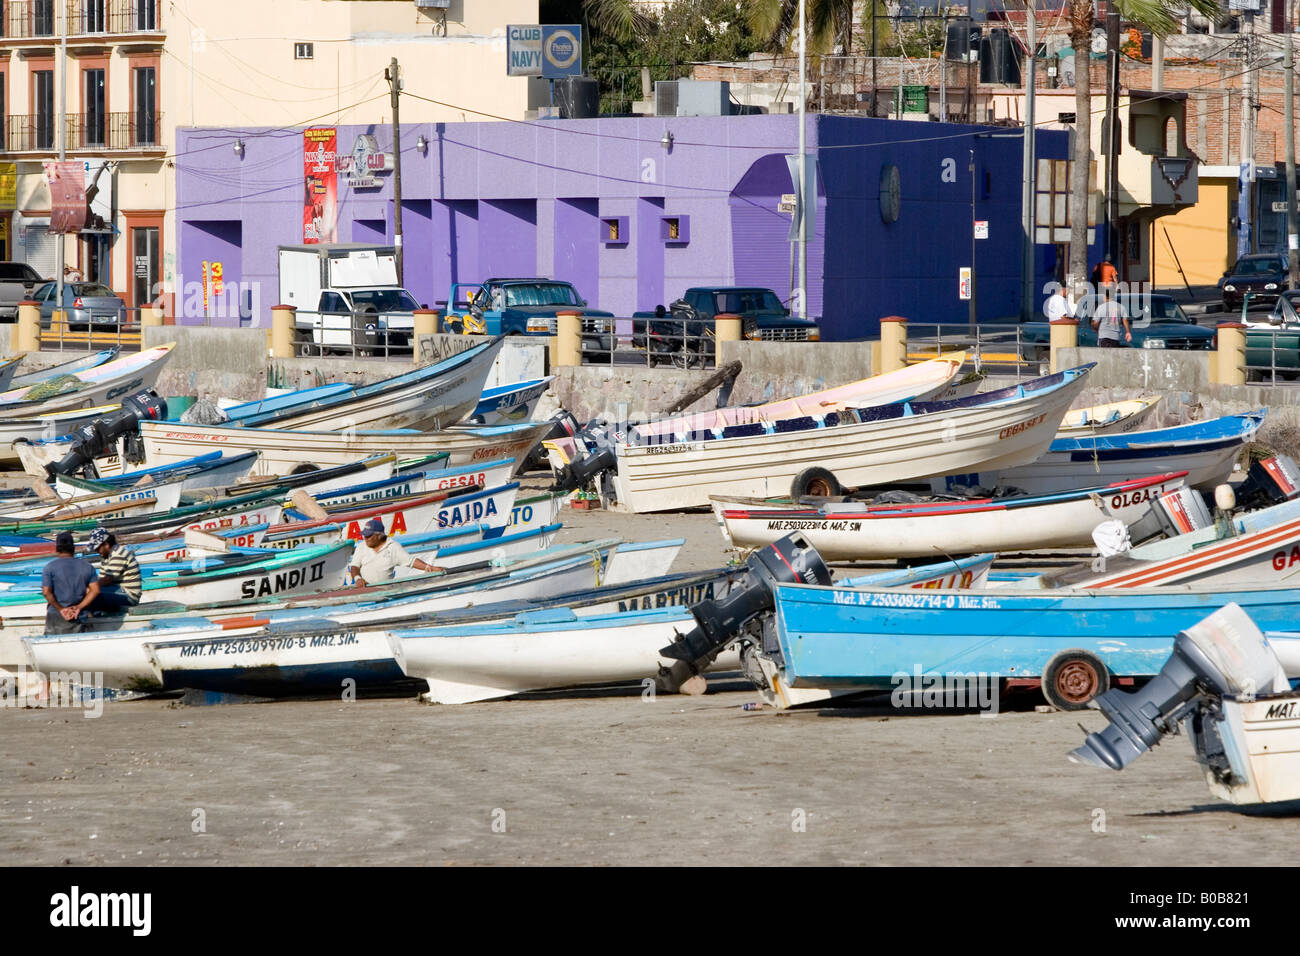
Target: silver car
(84, 304)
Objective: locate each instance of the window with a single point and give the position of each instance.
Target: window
(1052, 201)
(303, 51)
(42, 18)
(92, 102)
(613, 230)
(42, 109)
(92, 16)
(145, 117)
(144, 272)
(331, 302)
(144, 15)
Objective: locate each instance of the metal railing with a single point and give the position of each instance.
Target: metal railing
(75, 333)
(667, 342)
(38, 19)
(355, 334)
(1274, 363)
(1002, 349)
(36, 132)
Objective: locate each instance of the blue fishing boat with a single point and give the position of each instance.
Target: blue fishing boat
(835, 640)
(1205, 450)
(503, 404)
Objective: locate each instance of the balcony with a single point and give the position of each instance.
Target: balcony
(1167, 183)
(85, 132)
(38, 20)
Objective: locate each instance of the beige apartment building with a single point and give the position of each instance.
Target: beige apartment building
(137, 70)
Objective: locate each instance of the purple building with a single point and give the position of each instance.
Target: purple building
(635, 210)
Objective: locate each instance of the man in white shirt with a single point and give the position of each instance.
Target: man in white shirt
(376, 556)
(1058, 306)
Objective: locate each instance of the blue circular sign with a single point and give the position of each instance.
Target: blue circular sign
(562, 49)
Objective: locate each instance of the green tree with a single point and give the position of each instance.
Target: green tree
(1161, 18)
(829, 24)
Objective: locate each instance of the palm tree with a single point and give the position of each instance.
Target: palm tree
(1161, 18)
(830, 23)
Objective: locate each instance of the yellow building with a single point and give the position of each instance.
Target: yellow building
(1198, 243)
(136, 70)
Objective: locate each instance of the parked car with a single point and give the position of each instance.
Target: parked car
(84, 304)
(1157, 321)
(687, 331)
(1264, 275)
(17, 281)
(525, 307)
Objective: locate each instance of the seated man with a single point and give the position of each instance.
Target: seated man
(119, 573)
(376, 556)
(69, 585)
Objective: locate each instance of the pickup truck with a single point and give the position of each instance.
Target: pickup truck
(17, 282)
(687, 327)
(524, 307)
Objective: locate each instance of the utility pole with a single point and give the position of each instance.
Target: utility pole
(802, 198)
(1292, 229)
(1246, 203)
(972, 235)
(873, 50)
(61, 132)
(394, 77)
(1028, 169)
(1112, 133)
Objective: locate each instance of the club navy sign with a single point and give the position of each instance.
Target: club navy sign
(549, 50)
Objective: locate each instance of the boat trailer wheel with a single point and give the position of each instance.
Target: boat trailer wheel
(1072, 678)
(815, 482)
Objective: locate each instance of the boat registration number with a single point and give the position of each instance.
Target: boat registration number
(922, 602)
(673, 448)
(792, 524)
(253, 645)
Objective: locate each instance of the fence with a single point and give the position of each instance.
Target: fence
(360, 334)
(680, 343)
(1272, 355)
(62, 332)
(998, 349)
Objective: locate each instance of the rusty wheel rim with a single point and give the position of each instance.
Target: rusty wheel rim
(819, 488)
(1077, 682)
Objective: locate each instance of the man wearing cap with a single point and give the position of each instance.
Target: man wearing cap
(377, 555)
(70, 585)
(119, 573)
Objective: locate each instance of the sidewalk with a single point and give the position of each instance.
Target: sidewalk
(1202, 300)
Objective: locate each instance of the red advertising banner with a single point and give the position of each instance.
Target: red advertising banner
(320, 184)
(67, 181)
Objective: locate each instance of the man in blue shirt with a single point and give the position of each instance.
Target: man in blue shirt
(69, 585)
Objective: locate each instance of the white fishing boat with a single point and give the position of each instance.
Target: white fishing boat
(284, 450)
(88, 387)
(71, 367)
(1111, 418)
(490, 474)
(432, 397)
(220, 472)
(873, 446)
(48, 425)
(919, 382)
(535, 651)
(8, 368)
(503, 404)
(860, 531)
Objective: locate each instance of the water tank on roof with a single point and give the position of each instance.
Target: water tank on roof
(578, 97)
(999, 58)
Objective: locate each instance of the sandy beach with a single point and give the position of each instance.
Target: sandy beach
(605, 778)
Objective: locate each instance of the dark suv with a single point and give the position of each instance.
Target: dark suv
(1263, 275)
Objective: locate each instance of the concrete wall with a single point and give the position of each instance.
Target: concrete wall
(520, 360)
(772, 370)
(213, 362)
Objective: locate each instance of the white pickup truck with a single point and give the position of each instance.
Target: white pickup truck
(347, 297)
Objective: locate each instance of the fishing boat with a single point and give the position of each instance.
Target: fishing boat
(8, 368)
(503, 404)
(313, 654)
(1263, 548)
(427, 512)
(871, 446)
(88, 387)
(278, 573)
(284, 450)
(461, 547)
(1111, 418)
(217, 471)
(835, 640)
(116, 648)
(487, 475)
(1205, 450)
(70, 367)
(916, 383)
(859, 530)
(34, 428)
(432, 397)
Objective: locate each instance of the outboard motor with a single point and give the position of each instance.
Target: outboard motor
(598, 441)
(1224, 683)
(94, 439)
(788, 560)
(1270, 481)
